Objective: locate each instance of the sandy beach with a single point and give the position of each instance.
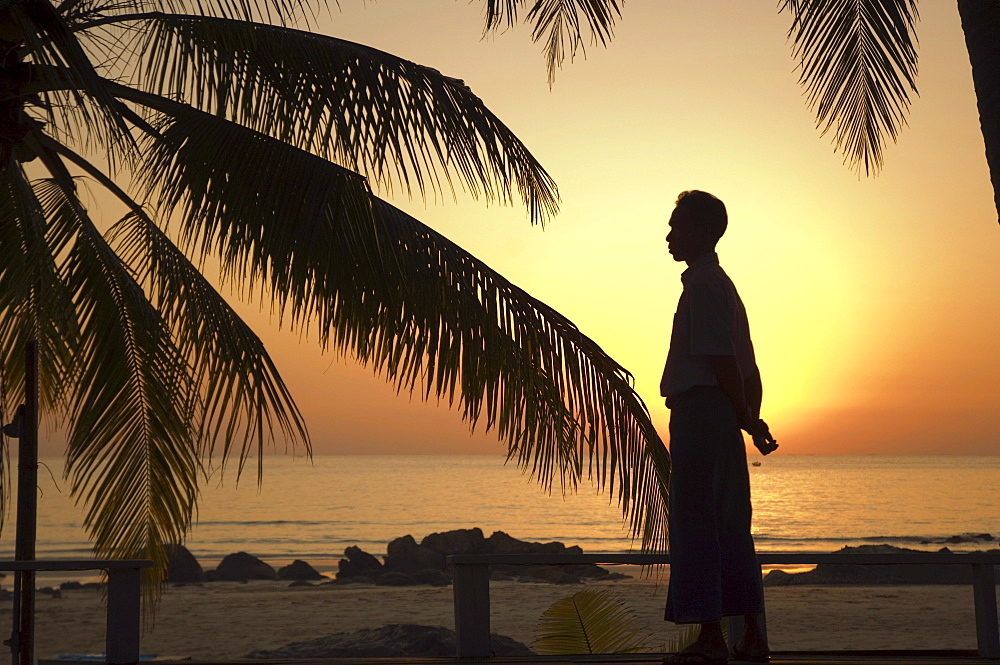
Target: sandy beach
(228, 619)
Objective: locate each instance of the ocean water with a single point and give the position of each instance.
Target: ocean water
(313, 510)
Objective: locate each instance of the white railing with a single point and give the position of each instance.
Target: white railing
(122, 641)
(472, 585)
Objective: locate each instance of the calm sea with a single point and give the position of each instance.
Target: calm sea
(313, 510)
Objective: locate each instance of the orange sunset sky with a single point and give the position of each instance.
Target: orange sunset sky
(873, 302)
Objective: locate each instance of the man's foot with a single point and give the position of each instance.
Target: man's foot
(750, 651)
(703, 651)
(752, 648)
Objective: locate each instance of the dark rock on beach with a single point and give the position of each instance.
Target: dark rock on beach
(182, 566)
(359, 564)
(426, 562)
(501, 543)
(360, 579)
(299, 570)
(962, 538)
(404, 555)
(892, 574)
(458, 541)
(240, 567)
(400, 640)
(432, 577)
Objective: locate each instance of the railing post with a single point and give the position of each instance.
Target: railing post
(123, 616)
(472, 609)
(984, 590)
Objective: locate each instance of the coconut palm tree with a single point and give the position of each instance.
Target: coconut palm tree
(232, 140)
(857, 61)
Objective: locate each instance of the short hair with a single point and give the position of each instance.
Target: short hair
(706, 210)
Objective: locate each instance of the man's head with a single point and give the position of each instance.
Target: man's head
(696, 225)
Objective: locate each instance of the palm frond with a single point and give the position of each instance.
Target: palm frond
(460, 329)
(858, 64)
(82, 107)
(266, 208)
(378, 284)
(131, 458)
(35, 304)
(243, 399)
(687, 635)
(592, 621)
(502, 13)
(281, 12)
(560, 24)
(398, 123)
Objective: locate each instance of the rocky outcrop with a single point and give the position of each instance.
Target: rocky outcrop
(432, 577)
(425, 563)
(299, 570)
(182, 567)
(400, 640)
(359, 564)
(459, 541)
(501, 543)
(961, 538)
(241, 567)
(404, 555)
(891, 574)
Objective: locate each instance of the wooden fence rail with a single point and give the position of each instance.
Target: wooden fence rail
(472, 585)
(122, 641)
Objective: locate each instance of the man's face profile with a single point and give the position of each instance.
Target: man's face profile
(686, 239)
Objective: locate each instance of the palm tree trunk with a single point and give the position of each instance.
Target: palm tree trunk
(981, 24)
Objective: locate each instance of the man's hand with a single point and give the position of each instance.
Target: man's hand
(762, 438)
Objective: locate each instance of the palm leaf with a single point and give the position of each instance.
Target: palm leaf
(686, 636)
(561, 403)
(80, 13)
(34, 302)
(858, 64)
(81, 106)
(243, 399)
(593, 621)
(34, 306)
(131, 457)
(387, 118)
(378, 284)
(560, 24)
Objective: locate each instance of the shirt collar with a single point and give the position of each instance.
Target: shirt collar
(699, 264)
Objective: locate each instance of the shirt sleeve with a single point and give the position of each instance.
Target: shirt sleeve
(711, 320)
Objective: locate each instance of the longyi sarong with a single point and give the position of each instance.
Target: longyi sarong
(713, 565)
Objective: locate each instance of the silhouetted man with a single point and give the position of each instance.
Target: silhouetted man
(713, 388)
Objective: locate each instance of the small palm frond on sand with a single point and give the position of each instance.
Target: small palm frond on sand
(591, 621)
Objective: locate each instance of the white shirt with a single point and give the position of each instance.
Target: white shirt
(710, 321)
